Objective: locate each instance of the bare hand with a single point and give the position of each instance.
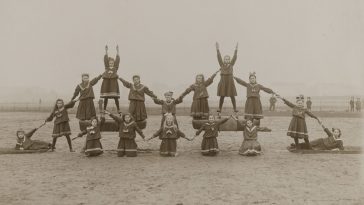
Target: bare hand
(106, 48)
(217, 46)
(117, 49)
(237, 45)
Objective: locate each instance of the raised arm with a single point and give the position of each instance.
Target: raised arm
(265, 89)
(106, 58)
(117, 59)
(241, 82)
(30, 134)
(149, 92)
(95, 80)
(233, 60)
(329, 134)
(219, 58)
(210, 80)
(125, 83)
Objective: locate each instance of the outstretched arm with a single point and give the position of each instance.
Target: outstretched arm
(311, 114)
(125, 83)
(158, 101)
(187, 91)
(211, 79)
(241, 82)
(30, 134)
(235, 55)
(116, 118)
(289, 104)
(219, 58)
(157, 134)
(265, 89)
(76, 93)
(50, 118)
(149, 92)
(220, 122)
(70, 104)
(95, 80)
(181, 134)
(139, 131)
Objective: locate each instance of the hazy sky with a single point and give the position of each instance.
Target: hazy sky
(313, 47)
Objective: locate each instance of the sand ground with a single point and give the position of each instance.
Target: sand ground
(276, 177)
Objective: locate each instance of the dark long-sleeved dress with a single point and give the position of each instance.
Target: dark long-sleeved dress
(209, 145)
(226, 85)
(137, 98)
(298, 128)
(169, 136)
(93, 145)
(327, 143)
(110, 85)
(28, 144)
(253, 105)
(61, 123)
(168, 107)
(127, 133)
(86, 108)
(200, 104)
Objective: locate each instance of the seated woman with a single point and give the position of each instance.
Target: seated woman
(250, 145)
(332, 141)
(24, 141)
(93, 146)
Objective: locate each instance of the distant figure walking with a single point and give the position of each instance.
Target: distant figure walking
(272, 101)
(358, 105)
(351, 104)
(309, 103)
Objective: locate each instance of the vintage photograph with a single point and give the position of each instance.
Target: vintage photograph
(171, 102)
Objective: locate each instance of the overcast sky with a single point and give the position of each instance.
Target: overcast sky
(313, 47)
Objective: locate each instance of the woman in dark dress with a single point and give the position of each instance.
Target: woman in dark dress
(110, 85)
(226, 87)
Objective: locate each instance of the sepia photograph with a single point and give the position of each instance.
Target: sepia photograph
(167, 102)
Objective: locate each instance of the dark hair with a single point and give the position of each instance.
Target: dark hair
(131, 117)
(333, 130)
(136, 76)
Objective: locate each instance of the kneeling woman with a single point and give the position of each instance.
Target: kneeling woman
(127, 133)
(93, 145)
(250, 145)
(209, 145)
(169, 134)
(24, 141)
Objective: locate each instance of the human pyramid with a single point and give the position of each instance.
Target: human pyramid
(128, 124)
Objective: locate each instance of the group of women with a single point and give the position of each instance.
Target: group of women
(169, 132)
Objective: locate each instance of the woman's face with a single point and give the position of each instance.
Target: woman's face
(199, 79)
(21, 135)
(300, 103)
(85, 78)
(169, 121)
(94, 122)
(127, 118)
(168, 98)
(136, 80)
(252, 79)
(211, 118)
(111, 63)
(59, 103)
(336, 133)
(227, 59)
(249, 123)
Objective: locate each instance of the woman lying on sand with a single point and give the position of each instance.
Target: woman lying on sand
(24, 141)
